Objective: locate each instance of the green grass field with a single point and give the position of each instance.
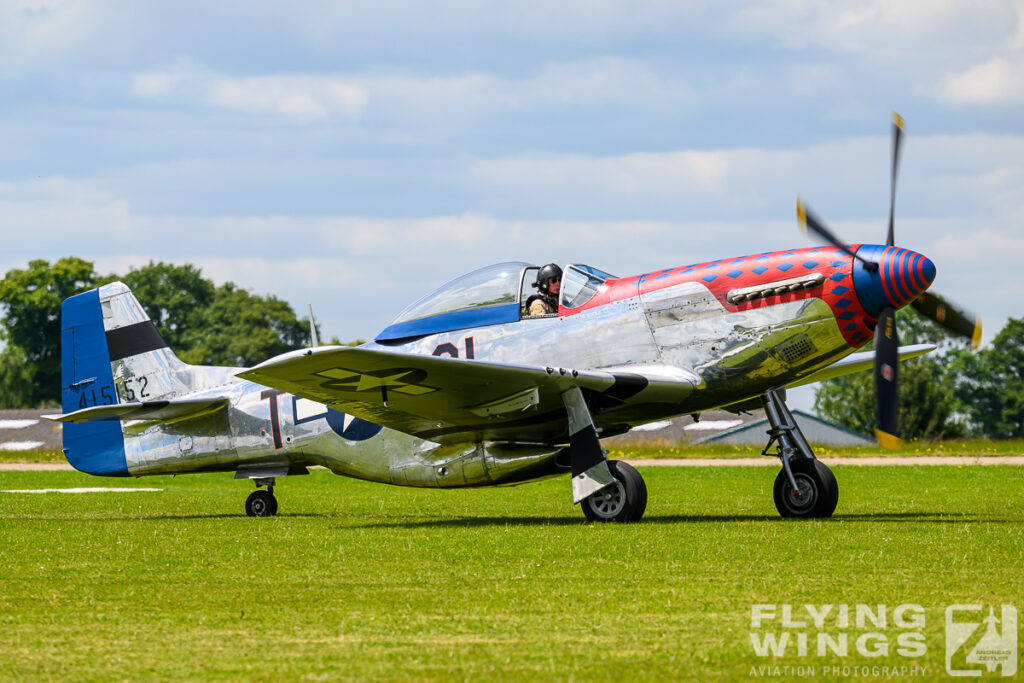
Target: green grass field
(969, 447)
(965, 447)
(365, 581)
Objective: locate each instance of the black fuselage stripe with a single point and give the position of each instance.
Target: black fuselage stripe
(133, 340)
(627, 385)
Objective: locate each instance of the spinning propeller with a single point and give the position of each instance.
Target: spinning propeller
(887, 278)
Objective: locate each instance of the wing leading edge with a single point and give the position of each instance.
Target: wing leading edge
(453, 400)
(859, 362)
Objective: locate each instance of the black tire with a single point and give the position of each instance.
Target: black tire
(819, 492)
(623, 501)
(261, 504)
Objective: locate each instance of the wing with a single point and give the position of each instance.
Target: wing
(858, 362)
(454, 400)
(155, 411)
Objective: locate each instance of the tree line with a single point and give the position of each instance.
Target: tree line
(203, 323)
(951, 392)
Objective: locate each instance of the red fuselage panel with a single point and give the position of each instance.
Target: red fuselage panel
(725, 275)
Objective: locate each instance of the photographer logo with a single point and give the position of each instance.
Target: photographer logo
(976, 643)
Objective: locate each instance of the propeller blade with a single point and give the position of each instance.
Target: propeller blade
(886, 384)
(955, 319)
(809, 220)
(897, 136)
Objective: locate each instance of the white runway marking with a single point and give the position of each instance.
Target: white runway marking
(882, 461)
(712, 425)
(17, 424)
(91, 489)
(651, 426)
(36, 467)
(20, 445)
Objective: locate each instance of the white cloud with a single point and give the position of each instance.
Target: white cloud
(624, 213)
(980, 246)
(299, 98)
(601, 82)
(437, 98)
(846, 178)
(359, 272)
(37, 33)
(995, 73)
(881, 29)
(996, 81)
(648, 183)
(154, 84)
(599, 85)
(56, 191)
(724, 182)
(302, 98)
(566, 22)
(606, 81)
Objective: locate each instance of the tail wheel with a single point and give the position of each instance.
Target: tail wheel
(817, 491)
(623, 501)
(261, 504)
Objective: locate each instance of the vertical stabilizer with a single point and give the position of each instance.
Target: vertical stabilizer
(111, 352)
(143, 366)
(86, 380)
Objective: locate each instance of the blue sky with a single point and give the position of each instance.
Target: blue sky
(356, 155)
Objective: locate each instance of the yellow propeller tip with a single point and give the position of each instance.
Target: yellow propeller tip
(976, 337)
(898, 120)
(801, 215)
(889, 442)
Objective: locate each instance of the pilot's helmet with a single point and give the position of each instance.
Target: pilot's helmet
(549, 272)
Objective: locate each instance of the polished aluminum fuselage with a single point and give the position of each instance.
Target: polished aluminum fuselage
(681, 332)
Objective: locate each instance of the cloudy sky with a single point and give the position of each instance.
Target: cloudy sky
(355, 155)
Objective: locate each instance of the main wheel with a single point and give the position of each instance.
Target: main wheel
(261, 504)
(817, 491)
(623, 501)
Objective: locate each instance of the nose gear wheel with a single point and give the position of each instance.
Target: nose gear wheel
(816, 495)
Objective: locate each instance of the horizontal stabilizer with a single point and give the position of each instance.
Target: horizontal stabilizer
(155, 411)
(859, 362)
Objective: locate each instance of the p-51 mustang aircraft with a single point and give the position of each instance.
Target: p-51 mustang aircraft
(464, 388)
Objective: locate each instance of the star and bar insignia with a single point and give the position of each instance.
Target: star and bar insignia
(395, 380)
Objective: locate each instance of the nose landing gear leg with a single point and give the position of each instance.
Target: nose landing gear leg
(804, 487)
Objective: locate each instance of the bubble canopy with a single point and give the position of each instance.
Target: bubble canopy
(486, 296)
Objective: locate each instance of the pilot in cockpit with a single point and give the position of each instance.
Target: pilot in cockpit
(545, 301)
